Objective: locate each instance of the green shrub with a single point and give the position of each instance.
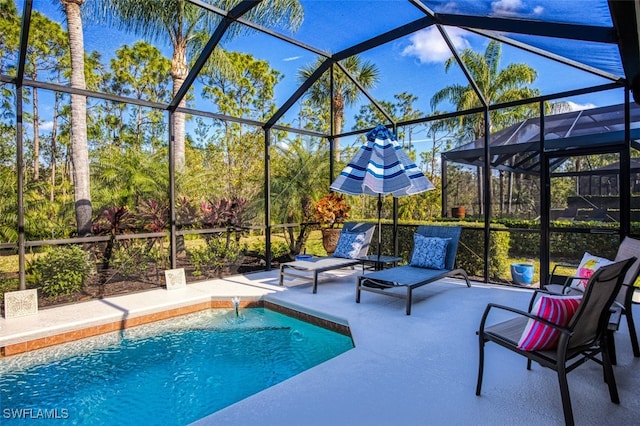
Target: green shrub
(217, 253)
(8, 284)
(60, 270)
(135, 258)
(563, 245)
(279, 248)
(471, 252)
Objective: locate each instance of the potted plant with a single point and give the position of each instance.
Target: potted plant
(331, 210)
(458, 212)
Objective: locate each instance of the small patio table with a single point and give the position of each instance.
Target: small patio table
(378, 262)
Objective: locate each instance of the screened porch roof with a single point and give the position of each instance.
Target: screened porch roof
(516, 148)
(596, 38)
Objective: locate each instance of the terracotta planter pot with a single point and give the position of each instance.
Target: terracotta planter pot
(458, 212)
(330, 237)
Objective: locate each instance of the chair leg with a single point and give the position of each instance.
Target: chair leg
(408, 300)
(611, 347)
(358, 291)
(564, 394)
(632, 332)
(480, 366)
(528, 364)
(608, 374)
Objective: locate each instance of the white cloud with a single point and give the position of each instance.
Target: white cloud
(507, 7)
(292, 58)
(568, 106)
(429, 46)
(577, 107)
(450, 7)
(514, 8)
(46, 126)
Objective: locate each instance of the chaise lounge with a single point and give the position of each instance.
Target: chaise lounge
(357, 237)
(432, 259)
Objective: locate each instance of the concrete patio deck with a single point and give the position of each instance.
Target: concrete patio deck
(404, 370)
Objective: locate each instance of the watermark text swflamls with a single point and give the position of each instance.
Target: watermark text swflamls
(35, 413)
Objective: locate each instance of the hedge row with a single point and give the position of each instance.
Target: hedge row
(470, 251)
(508, 239)
(568, 246)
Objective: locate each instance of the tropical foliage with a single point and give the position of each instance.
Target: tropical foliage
(100, 166)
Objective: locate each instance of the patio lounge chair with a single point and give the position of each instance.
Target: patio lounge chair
(561, 332)
(315, 265)
(411, 277)
(623, 303)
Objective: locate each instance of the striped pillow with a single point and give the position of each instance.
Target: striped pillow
(557, 309)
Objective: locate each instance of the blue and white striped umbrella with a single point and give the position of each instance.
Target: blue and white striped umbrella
(381, 167)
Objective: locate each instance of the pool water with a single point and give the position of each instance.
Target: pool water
(170, 372)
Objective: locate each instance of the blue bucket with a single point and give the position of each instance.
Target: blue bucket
(522, 273)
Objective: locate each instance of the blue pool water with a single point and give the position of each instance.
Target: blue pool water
(171, 372)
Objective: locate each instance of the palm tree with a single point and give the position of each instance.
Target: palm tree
(80, 151)
(183, 25)
(299, 175)
(497, 86)
(345, 92)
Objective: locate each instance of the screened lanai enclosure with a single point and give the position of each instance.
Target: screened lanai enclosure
(158, 134)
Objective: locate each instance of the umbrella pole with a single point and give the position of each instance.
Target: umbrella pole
(379, 225)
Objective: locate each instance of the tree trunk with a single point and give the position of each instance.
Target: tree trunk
(80, 154)
(179, 71)
(338, 111)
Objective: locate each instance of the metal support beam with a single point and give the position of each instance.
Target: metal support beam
(366, 93)
(298, 93)
(548, 55)
(625, 172)
(594, 33)
(487, 195)
(625, 16)
(22, 57)
(267, 197)
(172, 194)
(545, 203)
(453, 50)
(222, 28)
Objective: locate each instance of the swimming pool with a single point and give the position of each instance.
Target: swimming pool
(170, 372)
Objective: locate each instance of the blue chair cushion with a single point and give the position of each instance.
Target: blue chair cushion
(349, 245)
(429, 252)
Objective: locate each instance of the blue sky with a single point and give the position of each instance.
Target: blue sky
(414, 64)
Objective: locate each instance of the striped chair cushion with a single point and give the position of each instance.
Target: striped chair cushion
(557, 309)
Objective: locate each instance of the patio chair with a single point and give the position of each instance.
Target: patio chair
(561, 332)
(624, 300)
(363, 232)
(413, 276)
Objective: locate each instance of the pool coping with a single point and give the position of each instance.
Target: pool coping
(66, 323)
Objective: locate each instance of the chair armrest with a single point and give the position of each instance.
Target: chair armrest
(521, 313)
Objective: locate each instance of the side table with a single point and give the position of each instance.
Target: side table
(378, 262)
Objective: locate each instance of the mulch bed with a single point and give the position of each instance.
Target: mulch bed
(108, 282)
